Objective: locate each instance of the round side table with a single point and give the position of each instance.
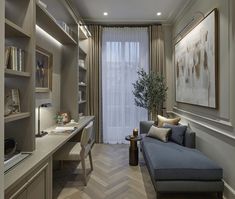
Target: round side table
(133, 150)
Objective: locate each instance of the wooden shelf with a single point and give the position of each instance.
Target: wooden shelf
(82, 102)
(15, 73)
(82, 68)
(82, 85)
(16, 116)
(13, 30)
(47, 22)
(82, 51)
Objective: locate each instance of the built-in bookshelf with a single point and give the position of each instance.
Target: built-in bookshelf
(82, 80)
(19, 67)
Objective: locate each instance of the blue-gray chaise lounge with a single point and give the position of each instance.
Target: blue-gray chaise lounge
(175, 168)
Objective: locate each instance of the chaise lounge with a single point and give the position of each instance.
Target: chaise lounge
(176, 168)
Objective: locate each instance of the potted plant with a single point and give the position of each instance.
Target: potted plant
(150, 92)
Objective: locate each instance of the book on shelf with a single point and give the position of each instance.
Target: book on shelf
(14, 58)
(12, 101)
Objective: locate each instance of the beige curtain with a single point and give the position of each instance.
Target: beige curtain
(157, 55)
(93, 63)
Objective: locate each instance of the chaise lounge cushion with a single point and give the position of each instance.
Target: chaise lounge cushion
(170, 161)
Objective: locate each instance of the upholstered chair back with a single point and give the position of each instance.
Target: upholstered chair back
(87, 139)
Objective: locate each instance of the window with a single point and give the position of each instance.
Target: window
(124, 50)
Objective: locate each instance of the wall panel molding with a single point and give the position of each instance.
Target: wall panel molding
(220, 129)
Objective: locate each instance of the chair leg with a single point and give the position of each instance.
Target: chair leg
(220, 195)
(84, 170)
(90, 158)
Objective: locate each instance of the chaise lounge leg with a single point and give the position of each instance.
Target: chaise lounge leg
(220, 195)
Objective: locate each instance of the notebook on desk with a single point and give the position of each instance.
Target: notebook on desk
(63, 129)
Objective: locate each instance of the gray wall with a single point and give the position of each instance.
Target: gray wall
(2, 46)
(214, 127)
(47, 114)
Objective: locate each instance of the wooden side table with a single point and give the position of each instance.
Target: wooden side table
(133, 150)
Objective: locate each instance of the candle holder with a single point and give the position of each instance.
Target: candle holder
(135, 132)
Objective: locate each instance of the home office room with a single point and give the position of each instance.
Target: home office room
(117, 99)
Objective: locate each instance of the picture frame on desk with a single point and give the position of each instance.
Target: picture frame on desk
(44, 62)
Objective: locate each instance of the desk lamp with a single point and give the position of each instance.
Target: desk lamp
(41, 133)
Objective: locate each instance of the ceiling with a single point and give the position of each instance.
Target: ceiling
(129, 11)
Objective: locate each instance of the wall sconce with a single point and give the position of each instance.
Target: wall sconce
(41, 133)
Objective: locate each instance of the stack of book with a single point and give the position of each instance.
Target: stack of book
(14, 58)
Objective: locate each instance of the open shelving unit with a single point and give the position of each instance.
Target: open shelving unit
(82, 80)
(20, 33)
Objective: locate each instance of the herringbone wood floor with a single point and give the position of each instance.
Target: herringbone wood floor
(112, 178)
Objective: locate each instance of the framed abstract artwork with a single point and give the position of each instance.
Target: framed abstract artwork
(196, 64)
(44, 61)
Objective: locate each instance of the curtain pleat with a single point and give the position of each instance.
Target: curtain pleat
(157, 49)
(93, 62)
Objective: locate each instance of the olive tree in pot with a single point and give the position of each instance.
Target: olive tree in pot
(150, 92)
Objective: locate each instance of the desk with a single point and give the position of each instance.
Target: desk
(45, 148)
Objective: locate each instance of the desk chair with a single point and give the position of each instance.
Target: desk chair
(79, 150)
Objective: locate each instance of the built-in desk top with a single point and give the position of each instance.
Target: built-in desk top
(45, 147)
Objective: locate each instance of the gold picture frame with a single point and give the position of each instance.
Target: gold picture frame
(43, 72)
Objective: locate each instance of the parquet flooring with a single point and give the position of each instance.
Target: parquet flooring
(112, 178)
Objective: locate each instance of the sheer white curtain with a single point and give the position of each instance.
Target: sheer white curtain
(124, 50)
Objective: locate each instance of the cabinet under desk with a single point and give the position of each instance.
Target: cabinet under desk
(19, 177)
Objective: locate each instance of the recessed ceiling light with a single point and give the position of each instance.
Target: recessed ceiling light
(159, 13)
(105, 13)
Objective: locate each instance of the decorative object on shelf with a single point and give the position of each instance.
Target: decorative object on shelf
(81, 63)
(44, 60)
(9, 148)
(12, 101)
(196, 63)
(41, 133)
(79, 96)
(62, 118)
(135, 132)
(80, 115)
(14, 58)
(150, 92)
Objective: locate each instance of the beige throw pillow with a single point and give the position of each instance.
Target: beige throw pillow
(159, 133)
(161, 120)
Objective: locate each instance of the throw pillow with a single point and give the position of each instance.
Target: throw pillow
(159, 133)
(177, 133)
(162, 120)
(189, 138)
